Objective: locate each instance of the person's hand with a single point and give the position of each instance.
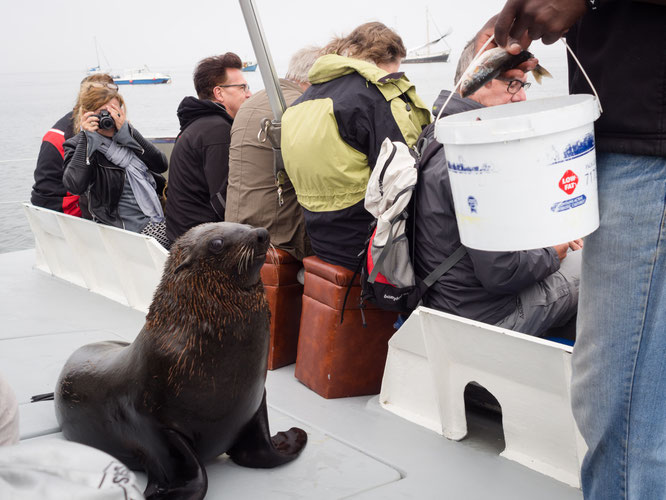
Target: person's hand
(89, 121)
(561, 250)
(518, 73)
(547, 20)
(117, 113)
(576, 245)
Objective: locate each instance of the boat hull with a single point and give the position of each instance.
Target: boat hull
(142, 81)
(427, 59)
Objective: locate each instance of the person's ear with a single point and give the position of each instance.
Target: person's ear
(489, 84)
(218, 94)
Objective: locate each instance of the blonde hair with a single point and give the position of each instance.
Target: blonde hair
(372, 42)
(92, 98)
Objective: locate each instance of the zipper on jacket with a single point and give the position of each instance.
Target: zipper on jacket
(386, 164)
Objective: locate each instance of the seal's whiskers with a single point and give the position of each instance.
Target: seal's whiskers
(273, 254)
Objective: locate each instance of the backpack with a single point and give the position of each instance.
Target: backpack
(387, 272)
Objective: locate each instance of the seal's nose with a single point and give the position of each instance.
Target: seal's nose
(262, 235)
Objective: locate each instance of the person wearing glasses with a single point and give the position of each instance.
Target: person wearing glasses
(48, 190)
(199, 165)
(531, 291)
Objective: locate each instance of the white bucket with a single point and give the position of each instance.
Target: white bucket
(523, 175)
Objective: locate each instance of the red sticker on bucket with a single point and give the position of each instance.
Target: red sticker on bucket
(568, 182)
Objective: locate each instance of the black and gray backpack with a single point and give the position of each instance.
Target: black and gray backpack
(387, 273)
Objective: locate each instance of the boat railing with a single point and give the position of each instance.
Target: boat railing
(120, 265)
(434, 356)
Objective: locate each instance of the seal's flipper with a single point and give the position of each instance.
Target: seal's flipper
(256, 448)
(177, 474)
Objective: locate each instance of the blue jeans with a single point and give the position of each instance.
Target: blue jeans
(619, 360)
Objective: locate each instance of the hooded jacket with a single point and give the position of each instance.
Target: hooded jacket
(48, 190)
(199, 166)
(88, 172)
(331, 137)
(622, 47)
(483, 285)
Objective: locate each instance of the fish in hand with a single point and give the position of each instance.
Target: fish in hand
(491, 64)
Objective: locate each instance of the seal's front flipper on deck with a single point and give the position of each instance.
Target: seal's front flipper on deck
(256, 448)
(177, 474)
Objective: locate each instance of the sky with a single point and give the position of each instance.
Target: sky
(43, 35)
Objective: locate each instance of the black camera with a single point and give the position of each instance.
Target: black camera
(105, 120)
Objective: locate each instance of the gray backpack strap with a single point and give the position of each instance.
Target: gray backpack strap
(448, 263)
(382, 256)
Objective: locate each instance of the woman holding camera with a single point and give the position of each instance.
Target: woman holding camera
(113, 166)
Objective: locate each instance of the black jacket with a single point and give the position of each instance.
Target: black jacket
(482, 285)
(199, 166)
(622, 47)
(89, 172)
(48, 190)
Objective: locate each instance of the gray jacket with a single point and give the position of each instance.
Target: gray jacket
(483, 285)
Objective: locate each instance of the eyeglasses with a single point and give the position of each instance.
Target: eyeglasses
(515, 86)
(245, 87)
(101, 85)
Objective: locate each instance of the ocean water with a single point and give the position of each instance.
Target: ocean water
(30, 103)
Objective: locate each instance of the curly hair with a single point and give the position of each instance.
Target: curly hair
(372, 42)
(212, 71)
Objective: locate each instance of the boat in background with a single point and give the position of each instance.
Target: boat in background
(141, 76)
(423, 54)
(249, 66)
(95, 70)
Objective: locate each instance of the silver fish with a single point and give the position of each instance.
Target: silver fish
(493, 63)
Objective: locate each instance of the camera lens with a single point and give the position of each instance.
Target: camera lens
(105, 120)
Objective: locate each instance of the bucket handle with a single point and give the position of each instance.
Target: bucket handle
(601, 110)
(476, 57)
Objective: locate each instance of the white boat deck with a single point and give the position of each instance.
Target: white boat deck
(356, 449)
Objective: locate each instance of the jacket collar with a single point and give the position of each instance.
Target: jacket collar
(123, 138)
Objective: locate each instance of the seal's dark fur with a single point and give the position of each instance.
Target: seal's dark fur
(191, 386)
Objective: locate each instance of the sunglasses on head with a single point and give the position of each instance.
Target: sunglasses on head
(100, 85)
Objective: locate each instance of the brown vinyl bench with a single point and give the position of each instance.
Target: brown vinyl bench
(340, 360)
(283, 293)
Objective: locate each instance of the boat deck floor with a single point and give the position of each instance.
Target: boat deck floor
(356, 449)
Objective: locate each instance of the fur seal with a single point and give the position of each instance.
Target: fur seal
(191, 386)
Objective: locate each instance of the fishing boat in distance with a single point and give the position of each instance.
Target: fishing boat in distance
(141, 76)
(423, 53)
(249, 66)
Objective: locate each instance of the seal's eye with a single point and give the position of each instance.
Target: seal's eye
(215, 246)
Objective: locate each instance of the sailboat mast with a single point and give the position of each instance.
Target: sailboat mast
(97, 53)
(427, 31)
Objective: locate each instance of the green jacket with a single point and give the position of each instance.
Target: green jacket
(332, 134)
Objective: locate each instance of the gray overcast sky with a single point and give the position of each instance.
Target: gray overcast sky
(47, 35)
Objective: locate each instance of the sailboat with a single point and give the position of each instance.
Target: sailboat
(140, 76)
(93, 70)
(423, 53)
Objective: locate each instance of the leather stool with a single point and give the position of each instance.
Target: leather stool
(283, 293)
(340, 360)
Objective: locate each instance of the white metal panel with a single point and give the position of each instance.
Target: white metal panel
(530, 378)
(121, 265)
(407, 386)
